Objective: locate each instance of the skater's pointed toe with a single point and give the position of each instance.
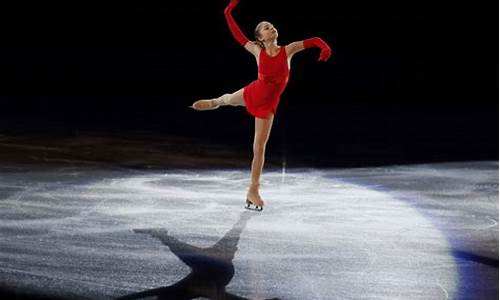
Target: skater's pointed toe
(204, 105)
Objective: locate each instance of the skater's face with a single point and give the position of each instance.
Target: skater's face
(266, 32)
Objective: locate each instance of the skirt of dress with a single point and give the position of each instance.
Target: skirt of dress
(261, 98)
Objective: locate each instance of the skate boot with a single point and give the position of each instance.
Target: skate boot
(205, 105)
(253, 201)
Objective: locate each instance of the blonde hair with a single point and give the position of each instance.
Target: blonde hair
(257, 34)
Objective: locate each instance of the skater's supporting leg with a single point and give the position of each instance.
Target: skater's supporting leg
(234, 99)
(262, 132)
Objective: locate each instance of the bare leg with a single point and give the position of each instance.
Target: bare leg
(234, 99)
(262, 132)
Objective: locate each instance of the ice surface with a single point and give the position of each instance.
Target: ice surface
(396, 232)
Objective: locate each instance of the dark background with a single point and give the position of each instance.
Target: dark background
(408, 81)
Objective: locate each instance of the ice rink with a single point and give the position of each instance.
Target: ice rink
(425, 231)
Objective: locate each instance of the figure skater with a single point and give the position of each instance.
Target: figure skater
(261, 97)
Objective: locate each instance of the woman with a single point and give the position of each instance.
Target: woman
(261, 97)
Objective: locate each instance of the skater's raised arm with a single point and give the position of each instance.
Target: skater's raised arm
(298, 46)
(238, 35)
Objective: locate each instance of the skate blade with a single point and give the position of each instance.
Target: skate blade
(197, 109)
(249, 205)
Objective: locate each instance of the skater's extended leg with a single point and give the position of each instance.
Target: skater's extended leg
(234, 99)
(262, 132)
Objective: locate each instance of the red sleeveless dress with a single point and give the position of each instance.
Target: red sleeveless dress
(263, 95)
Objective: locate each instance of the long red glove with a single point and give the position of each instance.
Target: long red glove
(326, 51)
(235, 30)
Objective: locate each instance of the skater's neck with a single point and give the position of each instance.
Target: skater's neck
(271, 45)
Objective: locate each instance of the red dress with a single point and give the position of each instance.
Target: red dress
(263, 95)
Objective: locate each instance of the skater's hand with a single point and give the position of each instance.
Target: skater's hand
(325, 53)
(232, 4)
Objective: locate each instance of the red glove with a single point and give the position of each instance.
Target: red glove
(235, 30)
(326, 51)
(232, 4)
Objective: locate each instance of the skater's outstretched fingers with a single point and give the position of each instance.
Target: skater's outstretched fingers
(317, 42)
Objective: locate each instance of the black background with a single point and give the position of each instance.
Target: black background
(408, 81)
